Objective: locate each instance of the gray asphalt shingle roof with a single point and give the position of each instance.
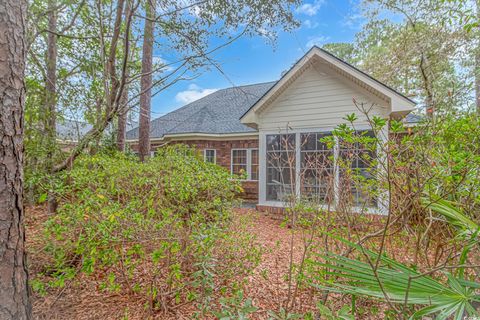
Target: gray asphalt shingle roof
(413, 118)
(217, 113)
(71, 130)
(74, 130)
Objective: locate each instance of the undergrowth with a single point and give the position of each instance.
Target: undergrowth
(162, 230)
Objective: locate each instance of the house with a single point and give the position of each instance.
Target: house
(240, 128)
(70, 131)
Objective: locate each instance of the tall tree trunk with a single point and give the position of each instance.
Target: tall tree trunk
(113, 96)
(477, 79)
(123, 109)
(122, 120)
(95, 146)
(427, 85)
(477, 61)
(146, 82)
(51, 96)
(14, 293)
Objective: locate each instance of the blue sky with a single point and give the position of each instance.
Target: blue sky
(252, 60)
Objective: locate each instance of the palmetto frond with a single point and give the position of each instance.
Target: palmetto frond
(453, 215)
(399, 283)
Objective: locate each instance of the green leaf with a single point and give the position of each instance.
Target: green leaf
(396, 281)
(42, 198)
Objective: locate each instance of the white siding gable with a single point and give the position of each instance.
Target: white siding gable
(319, 98)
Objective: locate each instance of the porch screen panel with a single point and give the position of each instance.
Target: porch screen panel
(357, 172)
(317, 168)
(280, 165)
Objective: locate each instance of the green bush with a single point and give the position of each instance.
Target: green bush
(161, 228)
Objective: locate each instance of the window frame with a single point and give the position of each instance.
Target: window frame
(248, 164)
(358, 150)
(214, 155)
(381, 205)
(279, 149)
(323, 189)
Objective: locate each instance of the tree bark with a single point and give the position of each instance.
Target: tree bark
(428, 86)
(122, 120)
(95, 146)
(477, 80)
(51, 80)
(477, 61)
(14, 293)
(146, 82)
(114, 95)
(123, 103)
(112, 57)
(51, 96)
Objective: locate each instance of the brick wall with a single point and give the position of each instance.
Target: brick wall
(224, 153)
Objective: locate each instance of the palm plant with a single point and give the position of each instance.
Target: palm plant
(454, 216)
(399, 284)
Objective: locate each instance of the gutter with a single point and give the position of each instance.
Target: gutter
(198, 135)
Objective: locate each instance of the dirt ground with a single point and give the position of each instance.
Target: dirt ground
(267, 287)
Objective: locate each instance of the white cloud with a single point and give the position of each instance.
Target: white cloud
(158, 62)
(310, 24)
(310, 9)
(316, 41)
(193, 93)
(353, 21)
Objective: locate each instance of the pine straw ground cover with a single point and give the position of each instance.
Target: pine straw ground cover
(83, 298)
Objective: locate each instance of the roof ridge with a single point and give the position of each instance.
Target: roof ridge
(189, 104)
(192, 116)
(249, 85)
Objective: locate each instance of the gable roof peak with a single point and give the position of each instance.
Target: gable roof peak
(398, 102)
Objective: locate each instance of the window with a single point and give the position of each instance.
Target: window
(210, 155)
(280, 166)
(344, 172)
(317, 168)
(239, 161)
(245, 163)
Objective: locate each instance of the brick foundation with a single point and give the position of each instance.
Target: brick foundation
(270, 209)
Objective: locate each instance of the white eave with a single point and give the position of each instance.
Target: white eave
(399, 104)
(203, 136)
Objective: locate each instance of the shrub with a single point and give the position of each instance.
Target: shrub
(161, 228)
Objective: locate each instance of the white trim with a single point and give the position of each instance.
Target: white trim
(389, 92)
(382, 202)
(214, 154)
(398, 103)
(336, 171)
(298, 165)
(280, 204)
(359, 127)
(383, 197)
(262, 170)
(206, 136)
